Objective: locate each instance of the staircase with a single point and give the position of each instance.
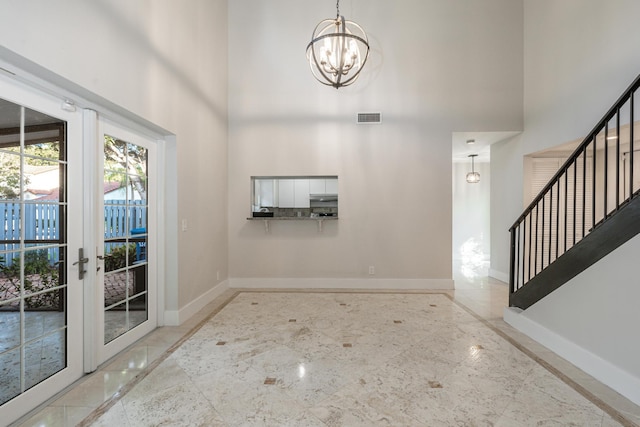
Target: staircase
(588, 209)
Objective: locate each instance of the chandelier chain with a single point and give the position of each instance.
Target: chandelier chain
(337, 9)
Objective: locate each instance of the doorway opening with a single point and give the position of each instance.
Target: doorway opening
(471, 201)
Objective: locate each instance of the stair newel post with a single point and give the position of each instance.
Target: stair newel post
(593, 183)
(512, 261)
(631, 149)
(605, 174)
(584, 190)
(617, 134)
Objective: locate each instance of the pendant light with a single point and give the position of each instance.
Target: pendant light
(338, 50)
(473, 177)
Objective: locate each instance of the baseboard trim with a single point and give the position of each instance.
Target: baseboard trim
(499, 275)
(337, 283)
(177, 317)
(599, 368)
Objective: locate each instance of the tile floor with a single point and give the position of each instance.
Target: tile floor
(341, 358)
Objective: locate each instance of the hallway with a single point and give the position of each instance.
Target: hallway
(342, 358)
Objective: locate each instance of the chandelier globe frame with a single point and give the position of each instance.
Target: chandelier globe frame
(338, 51)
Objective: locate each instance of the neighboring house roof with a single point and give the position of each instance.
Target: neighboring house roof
(111, 186)
(36, 170)
(46, 195)
(54, 194)
(44, 177)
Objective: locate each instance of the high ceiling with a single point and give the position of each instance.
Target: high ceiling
(483, 140)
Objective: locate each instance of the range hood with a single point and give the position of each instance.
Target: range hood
(323, 200)
(323, 197)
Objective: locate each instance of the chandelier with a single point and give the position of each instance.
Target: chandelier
(473, 177)
(338, 50)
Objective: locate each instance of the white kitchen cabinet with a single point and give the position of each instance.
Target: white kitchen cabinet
(317, 186)
(286, 194)
(301, 193)
(331, 186)
(293, 193)
(289, 192)
(264, 193)
(323, 186)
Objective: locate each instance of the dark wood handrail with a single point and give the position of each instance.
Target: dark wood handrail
(541, 241)
(579, 150)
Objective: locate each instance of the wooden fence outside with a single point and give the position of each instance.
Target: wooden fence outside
(42, 225)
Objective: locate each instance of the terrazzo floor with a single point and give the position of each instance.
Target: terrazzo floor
(349, 360)
(341, 359)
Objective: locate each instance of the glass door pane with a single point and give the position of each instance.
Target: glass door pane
(33, 249)
(125, 183)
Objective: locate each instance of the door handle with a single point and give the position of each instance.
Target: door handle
(80, 263)
(101, 258)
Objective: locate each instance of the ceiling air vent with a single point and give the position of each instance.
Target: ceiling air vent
(369, 118)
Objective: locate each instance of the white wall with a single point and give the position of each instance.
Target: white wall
(471, 213)
(44, 180)
(506, 201)
(592, 320)
(572, 77)
(578, 60)
(166, 63)
(436, 66)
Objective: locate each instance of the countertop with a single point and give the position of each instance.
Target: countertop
(292, 218)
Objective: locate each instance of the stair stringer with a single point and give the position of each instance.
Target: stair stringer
(602, 240)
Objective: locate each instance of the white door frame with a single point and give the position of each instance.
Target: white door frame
(101, 351)
(67, 102)
(29, 97)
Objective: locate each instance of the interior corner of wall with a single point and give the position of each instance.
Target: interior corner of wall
(499, 275)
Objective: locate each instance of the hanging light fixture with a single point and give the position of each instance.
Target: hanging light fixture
(338, 50)
(473, 177)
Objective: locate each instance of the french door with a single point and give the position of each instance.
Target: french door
(78, 247)
(40, 285)
(125, 237)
